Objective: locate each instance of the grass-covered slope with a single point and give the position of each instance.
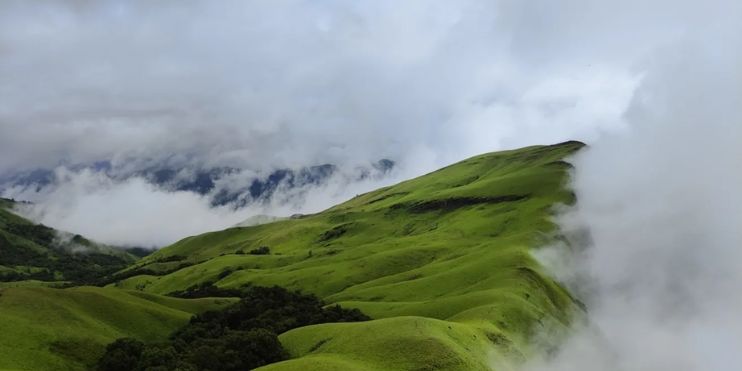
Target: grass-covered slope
(55, 329)
(442, 261)
(35, 251)
(45, 328)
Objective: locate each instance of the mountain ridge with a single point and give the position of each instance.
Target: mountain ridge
(446, 252)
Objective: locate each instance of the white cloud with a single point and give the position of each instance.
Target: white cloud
(292, 83)
(662, 205)
(133, 212)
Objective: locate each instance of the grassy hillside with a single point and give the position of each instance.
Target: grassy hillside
(441, 261)
(34, 251)
(55, 329)
(46, 328)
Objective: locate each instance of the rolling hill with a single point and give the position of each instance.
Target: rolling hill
(45, 328)
(442, 263)
(31, 251)
(68, 329)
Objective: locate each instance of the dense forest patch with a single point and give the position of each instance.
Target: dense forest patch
(242, 336)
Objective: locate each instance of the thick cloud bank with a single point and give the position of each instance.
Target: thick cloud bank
(295, 83)
(663, 206)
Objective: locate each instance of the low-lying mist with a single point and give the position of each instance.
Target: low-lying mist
(135, 212)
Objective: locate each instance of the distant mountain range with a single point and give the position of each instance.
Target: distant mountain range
(223, 185)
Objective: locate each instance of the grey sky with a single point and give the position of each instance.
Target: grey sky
(286, 83)
(260, 85)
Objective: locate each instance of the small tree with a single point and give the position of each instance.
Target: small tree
(121, 355)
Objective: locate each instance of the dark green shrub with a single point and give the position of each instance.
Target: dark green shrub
(121, 355)
(262, 250)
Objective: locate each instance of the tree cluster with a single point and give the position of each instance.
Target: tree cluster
(55, 263)
(242, 336)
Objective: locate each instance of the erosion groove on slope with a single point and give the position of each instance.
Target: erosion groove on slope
(450, 204)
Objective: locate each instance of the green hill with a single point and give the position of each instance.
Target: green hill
(442, 262)
(68, 329)
(30, 251)
(47, 328)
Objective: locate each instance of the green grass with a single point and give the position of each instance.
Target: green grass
(68, 329)
(404, 343)
(32, 283)
(443, 262)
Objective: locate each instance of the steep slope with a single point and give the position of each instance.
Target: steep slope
(55, 329)
(35, 251)
(442, 261)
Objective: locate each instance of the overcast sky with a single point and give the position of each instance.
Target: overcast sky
(284, 83)
(266, 84)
